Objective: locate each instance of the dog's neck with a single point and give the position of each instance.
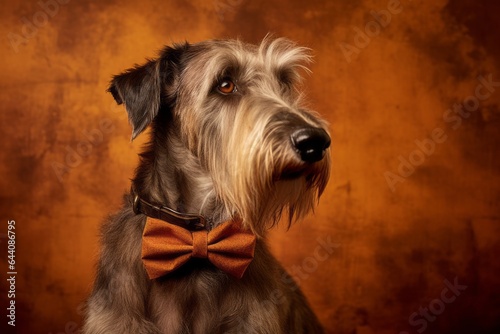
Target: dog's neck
(170, 175)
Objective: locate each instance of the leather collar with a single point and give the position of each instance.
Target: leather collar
(188, 221)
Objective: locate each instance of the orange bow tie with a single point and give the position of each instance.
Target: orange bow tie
(166, 247)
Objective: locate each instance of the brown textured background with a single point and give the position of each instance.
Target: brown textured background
(394, 249)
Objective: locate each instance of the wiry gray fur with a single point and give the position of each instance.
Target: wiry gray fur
(220, 156)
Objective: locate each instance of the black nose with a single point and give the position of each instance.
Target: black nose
(311, 143)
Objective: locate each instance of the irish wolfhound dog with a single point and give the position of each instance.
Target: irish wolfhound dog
(231, 150)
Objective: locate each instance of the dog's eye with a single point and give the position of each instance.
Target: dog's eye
(226, 86)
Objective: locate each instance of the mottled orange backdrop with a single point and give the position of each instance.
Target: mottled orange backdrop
(412, 92)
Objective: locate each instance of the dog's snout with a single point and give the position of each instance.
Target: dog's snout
(310, 143)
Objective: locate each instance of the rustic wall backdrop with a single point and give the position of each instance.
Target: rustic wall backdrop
(410, 220)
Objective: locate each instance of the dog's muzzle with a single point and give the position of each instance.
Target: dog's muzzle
(310, 143)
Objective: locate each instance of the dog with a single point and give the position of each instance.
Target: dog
(232, 149)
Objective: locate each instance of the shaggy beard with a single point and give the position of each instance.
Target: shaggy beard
(263, 178)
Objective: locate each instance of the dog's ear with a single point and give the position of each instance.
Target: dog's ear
(142, 88)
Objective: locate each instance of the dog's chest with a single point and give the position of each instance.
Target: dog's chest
(210, 302)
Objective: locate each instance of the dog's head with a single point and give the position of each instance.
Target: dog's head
(237, 110)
